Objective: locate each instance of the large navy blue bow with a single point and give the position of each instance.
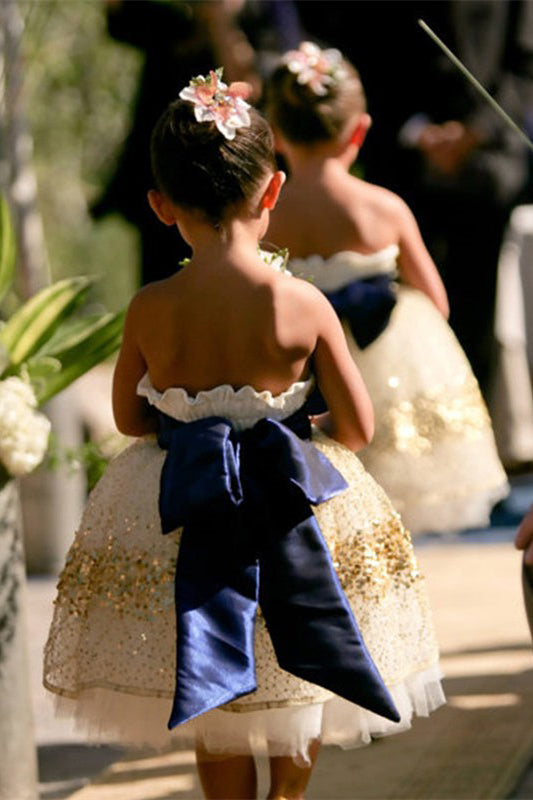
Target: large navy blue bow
(366, 304)
(249, 536)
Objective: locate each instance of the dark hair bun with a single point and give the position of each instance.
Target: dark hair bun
(304, 116)
(198, 168)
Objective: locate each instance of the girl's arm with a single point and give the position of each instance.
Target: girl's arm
(351, 417)
(133, 415)
(524, 537)
(417, 267)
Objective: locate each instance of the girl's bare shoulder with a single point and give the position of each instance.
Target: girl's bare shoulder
(303, 296)
(390, 206)
(383, 200)
(151, 302)
(153, 293)
(380, 213)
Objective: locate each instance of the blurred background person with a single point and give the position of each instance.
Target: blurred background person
(180, 39)
(435, 141)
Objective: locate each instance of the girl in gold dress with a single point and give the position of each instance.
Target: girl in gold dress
(213, 377)
(433, 450)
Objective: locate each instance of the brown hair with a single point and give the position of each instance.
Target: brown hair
(305, 117)
(197, 168)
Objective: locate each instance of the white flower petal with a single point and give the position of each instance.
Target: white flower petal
(23, 431)
(189, 93)
(225, 128)
(333, 56)
(204, 113)
(310, 49)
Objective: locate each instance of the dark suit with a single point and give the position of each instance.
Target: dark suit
(176, 47)
(161, 31)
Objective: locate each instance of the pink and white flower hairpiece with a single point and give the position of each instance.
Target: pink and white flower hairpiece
(215, 101)
(314, 67)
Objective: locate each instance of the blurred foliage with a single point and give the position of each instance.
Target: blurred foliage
(91, 457)
(79, 86)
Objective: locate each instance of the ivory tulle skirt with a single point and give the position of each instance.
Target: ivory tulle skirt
(110, 654)
(433, 450)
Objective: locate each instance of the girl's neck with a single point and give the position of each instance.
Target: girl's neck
(319, 162)
(233, 242)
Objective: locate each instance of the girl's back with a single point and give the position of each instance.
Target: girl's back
(320, 122)
(226, 324)
(227, 318)
(345, 213)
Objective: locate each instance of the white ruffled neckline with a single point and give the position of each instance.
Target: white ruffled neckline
(345, 266)
(245, 405)
(385, 255)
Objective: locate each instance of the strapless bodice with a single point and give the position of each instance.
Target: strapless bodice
(243, 407)
(340, 269)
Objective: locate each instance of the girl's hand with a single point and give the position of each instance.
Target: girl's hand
(448, 146)
(524, 537)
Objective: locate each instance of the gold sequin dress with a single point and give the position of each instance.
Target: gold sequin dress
(110, 655)
(433, 449)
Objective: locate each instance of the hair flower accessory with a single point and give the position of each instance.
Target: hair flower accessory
(314, 67)
(215, 101)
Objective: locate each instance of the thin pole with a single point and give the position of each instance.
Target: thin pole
(476, 84)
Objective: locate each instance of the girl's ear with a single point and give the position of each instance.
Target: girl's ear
(271, 193)
(162, 207)
(360, 130)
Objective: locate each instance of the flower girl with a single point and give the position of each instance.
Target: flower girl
(433, 450)
(238, 580)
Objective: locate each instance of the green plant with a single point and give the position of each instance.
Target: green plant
(44, 346)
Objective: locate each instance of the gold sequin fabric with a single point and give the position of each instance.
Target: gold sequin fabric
(110, 653)
(433, 449)
(113, 625)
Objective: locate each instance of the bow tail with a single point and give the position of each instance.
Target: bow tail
(216, 603)
(310, 621)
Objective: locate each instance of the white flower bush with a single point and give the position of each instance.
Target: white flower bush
(44, 346)
(24, 431)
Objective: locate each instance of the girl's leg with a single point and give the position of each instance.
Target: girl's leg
(288, 781)
(226, 777)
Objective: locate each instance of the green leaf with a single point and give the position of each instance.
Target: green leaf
(38, 370)
(74, 337)
(37, 319)
(99, 343)
(4, 359)
(41, 366)
(7, 248)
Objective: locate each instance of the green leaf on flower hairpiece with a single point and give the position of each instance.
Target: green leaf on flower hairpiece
(206, 80)
(277, 259)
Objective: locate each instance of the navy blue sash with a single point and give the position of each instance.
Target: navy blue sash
(249, 537)
(366, 304)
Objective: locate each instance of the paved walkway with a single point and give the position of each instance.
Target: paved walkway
(474, 583)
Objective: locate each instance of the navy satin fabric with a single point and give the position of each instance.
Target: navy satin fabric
(249, 536)
(366, 304)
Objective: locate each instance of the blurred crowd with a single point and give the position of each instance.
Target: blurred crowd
(434, 139)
